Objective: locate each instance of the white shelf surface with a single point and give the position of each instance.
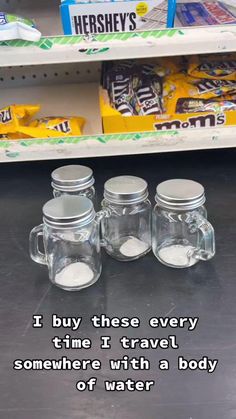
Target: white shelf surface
(118, 145)
(56, 48)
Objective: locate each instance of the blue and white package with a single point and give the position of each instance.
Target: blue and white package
(204, 13)
(112, 16)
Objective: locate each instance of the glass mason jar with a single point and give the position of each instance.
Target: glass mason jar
(126, 227)
(181, 234)
(70, 233)
(73, 180)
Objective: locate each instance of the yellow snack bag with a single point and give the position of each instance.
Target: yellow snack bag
(174, 87)
(11, 136)
(162, 66)
(182, 86)
(16, 136)
(191, 105)
(172, 65)
(14, 116)
(212, 67)
(54, 127)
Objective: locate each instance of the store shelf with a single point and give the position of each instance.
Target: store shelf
(58, 98)
(160, 43)
(118, 144)
(56, 48)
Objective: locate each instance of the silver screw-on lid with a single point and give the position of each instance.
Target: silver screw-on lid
(68, 211)
(72, 178)
(180, 194)
(126, 190)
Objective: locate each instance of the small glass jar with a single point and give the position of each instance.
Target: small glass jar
(181, 234)
(70, 232)
(73, 180)
(126, 228)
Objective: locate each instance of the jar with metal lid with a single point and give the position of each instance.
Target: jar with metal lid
(71, 242)
(73, 180)
(181, 234)
(126, 228)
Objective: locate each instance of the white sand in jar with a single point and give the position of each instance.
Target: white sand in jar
(177, 255)
(133, 247)
(74, 275)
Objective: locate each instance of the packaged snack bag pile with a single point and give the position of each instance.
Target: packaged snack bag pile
(16, 122)
(172, 86)
(136, 88)
(208, 84)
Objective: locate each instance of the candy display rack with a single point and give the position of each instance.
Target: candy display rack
(33, 71)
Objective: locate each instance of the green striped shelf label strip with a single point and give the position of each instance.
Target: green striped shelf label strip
(47, 43)
(76, 140)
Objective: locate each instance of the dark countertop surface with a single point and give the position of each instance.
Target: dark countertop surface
(143, 289)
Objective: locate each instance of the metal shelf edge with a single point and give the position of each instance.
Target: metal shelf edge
(163, 42)
(117, 144)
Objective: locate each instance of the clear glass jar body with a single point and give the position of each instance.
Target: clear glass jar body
(89, 193)
(72, 255)
(181, 238)
(126, 229)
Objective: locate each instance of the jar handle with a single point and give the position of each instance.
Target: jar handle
(206, 248)
(35, 253)
(104, 213)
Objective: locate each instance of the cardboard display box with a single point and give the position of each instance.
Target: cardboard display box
(114, 122)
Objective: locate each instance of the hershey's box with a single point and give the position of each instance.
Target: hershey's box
(84, 17)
